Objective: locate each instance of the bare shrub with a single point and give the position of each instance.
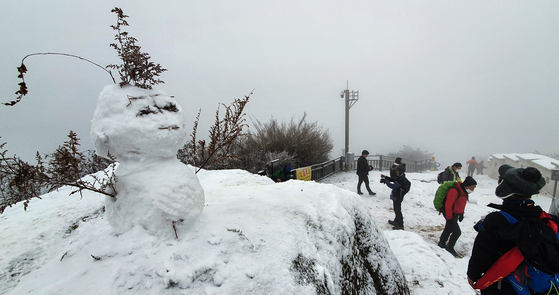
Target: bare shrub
(224, 132)
(306, 143)
(21, 181)
(136, 69)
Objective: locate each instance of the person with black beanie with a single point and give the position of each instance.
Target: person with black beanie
(400, 186)
(516, 187)
(397, 162)
(454, 207)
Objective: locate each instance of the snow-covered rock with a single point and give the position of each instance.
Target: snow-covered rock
(254, 236)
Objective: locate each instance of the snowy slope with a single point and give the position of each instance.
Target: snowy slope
(63, 244)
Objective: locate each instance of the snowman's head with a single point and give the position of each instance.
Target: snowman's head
(135, 123)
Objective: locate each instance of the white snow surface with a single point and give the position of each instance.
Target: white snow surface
(247, 236)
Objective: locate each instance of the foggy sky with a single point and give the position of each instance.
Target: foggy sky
(455, 78)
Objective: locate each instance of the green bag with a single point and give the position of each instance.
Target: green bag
(440, 195)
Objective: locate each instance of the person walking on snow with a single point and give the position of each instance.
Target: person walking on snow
(363, 169)
(454, 206)
(472, 165)
(400, 186)
(480, 167)
(450, 173)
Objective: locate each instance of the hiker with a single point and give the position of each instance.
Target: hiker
(400, 186)
(453, 211)
(363, 169)
(397, 162)
(450, 173)
(472, 165)
(283, 174)
(480, 167)
(516, 186)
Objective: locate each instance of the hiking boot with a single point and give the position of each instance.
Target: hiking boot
(442, 245)
(451, 251)
(398, 227)
(359, 193)
(392, 222)
(372, 193)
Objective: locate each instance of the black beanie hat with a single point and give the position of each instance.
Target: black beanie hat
(519, 181)
(401, 168)
(503, 169)
(457, 165)
(398, 160)
(365, 152)
(469, 181)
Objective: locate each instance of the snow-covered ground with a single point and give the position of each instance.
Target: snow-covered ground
(42, 249)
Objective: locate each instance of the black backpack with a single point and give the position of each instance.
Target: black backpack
(440, 177)
(406, 186)
(537, 241)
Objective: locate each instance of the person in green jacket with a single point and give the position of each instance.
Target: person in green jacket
(283, 174)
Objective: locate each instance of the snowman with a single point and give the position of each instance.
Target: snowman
(143, 129)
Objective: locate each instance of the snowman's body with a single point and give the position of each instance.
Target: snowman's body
(144, 129)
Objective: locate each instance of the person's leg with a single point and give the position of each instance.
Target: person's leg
(366, 180)
(399, 219)
(455, 234)
(448, 227)
(359, 184)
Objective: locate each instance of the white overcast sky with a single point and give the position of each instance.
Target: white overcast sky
(456, 78)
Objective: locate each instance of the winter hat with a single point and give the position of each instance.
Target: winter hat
(457, 165)
(503, 169)
(398, 160)
(469, 181)
(401, 168)
(365, 152)
(288, 169)
(519, 181)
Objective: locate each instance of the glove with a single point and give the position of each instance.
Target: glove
(382, 180)
(460, 217)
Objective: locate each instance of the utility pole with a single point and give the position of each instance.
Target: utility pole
(351, 97)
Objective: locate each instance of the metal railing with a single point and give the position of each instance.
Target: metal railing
(380, 163)
(323, 170)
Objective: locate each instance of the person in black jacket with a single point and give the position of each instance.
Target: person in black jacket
(400, 186)
(363, 169)
(450, 173)
(516, 186)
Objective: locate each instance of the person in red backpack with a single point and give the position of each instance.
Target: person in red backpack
(454, 206)
(516, 187)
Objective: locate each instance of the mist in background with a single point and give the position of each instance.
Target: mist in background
(458, 79)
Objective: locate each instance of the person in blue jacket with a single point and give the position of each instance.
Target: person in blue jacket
(400, 186)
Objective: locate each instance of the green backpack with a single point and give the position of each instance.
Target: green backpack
(440, 195)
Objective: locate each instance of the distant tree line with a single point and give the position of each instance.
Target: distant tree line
(408, 152)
